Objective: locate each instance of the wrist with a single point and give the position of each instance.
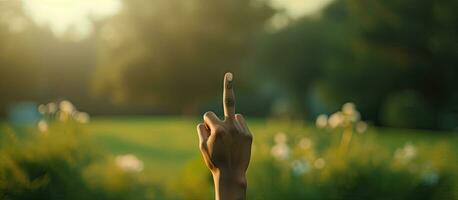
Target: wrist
(231, 178)
(229, 184)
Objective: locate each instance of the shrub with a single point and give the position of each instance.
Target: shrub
(56, 160)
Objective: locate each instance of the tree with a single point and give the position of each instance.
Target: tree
(35, 65)
(368, 51)
(400, 47)
(172, 54)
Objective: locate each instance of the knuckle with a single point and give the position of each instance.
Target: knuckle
(211, 166)
(208, 113)
(229, 85)
(229, 101)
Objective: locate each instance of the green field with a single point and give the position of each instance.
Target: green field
(72, 158)
(167, 145)
(163, 144)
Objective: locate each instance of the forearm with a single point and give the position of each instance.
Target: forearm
(229, 186)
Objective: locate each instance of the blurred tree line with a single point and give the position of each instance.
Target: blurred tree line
(396, 60)
(172, 54)
(35, 65)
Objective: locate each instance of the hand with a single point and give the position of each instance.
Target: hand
(226, 146)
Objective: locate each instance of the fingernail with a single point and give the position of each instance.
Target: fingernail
(229, 80)
(228, 76)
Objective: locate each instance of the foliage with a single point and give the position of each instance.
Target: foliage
(35, 65)
(168, 57)
(163, 52)
(365, 52)
(344, 161)
(57, 161)
(407, 109)
(341, 159)
(75, 161)
(365, 171)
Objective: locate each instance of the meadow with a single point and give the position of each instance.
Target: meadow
(139, 157)
(166, 144)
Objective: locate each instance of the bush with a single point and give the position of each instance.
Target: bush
(56, 160)
(341, 159)
(366, 170)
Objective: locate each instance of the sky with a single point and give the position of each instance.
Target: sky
(60, 15)
(299, 8)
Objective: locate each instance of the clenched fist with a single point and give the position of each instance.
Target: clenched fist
(226, 146)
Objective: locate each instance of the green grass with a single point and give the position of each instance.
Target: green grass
(163, 144)
(166, 145)
(82, 156)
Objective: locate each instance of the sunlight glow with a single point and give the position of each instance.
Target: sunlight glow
(299, 8)
(291, 10)
(62, 15)
(73, 16)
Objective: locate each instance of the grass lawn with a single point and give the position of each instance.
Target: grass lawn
(167, 144)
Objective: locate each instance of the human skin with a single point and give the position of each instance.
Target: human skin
(226, 147)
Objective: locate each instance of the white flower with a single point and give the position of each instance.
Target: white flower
(335, 120)
(42, 109)
(43, 126)
(305, 143)
(348, 108)
(410, 151)
(129, 163)
(431, 177)
(361, 127)
(52, 107)
(66, 106)
(81, 117)
(280, 138)
(319, 163)
(350, 113)
(321, 121)
(355, 117)
(280, 151)
(300, 167)
(405, 154)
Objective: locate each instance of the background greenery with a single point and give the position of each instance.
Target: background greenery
(396, 60)
(147, 72)
(78, 161)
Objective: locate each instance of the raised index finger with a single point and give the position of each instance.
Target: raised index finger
(228, 97)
